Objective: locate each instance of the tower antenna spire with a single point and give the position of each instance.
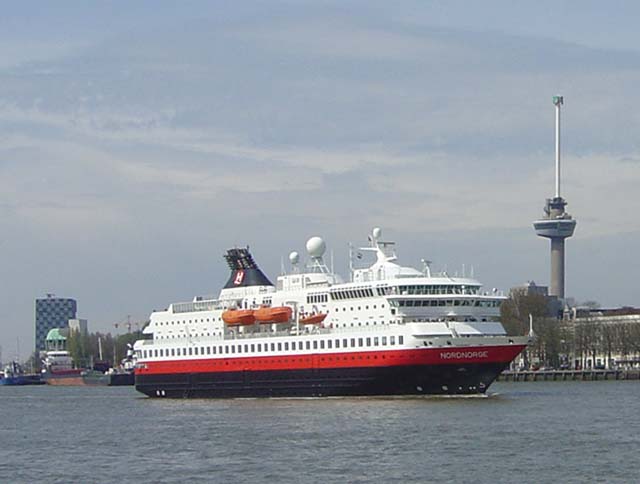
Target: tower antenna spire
(558, 101)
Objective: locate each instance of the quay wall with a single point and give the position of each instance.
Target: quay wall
(569, 375)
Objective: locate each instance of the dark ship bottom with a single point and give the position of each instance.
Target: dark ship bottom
(454, 379)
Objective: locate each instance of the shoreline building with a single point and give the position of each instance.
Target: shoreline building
(556, 224)
(79, 325)
(604, 338)
(52, 312)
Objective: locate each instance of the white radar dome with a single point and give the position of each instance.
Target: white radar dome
(377, 232)
(294, 258)
(316, 247)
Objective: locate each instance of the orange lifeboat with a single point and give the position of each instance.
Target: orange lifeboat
(313, 318)
(278, 314)
(234, 317)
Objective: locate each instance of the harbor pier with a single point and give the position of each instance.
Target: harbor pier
(569, 375)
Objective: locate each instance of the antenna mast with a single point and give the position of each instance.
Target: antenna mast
(558, 101)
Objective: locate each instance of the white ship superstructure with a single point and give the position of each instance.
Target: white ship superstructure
(390, 330)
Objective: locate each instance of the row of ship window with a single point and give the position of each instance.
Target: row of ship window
(409, 290)
(353, 293)
(190, 307)
(360, 307)
(183, 334)
(433, 289)
(281, 346)
(448, 302)
(317, 298)
(167, 323)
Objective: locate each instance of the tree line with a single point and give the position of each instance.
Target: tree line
(568, 343)
(84, 348)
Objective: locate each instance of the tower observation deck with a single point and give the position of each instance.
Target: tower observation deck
(556, 224)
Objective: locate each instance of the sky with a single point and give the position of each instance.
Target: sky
(140, 140)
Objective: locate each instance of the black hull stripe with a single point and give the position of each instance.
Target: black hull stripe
(405, 380)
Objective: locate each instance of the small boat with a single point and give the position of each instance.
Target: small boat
(279, 314)
(14, 375)
(58, 369)
(121, 375)
(236, 317)
(112, 378)
(313, 318)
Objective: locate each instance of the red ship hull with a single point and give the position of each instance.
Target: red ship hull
(64, 377)
(468, 370)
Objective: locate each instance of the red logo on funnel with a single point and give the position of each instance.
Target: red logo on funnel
(239, 278)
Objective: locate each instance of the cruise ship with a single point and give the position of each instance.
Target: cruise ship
(389, 330)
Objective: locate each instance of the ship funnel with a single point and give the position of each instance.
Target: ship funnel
(244, 270)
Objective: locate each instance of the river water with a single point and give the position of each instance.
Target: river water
(523, 432)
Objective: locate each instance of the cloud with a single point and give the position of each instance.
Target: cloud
(136, 158)
(462, 191)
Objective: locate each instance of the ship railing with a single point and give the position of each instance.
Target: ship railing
(277, 334)
(314, 331)
(359, 329)
(188, 307)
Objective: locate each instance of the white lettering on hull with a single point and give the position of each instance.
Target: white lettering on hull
(460, 355)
